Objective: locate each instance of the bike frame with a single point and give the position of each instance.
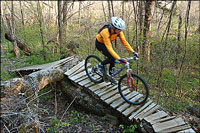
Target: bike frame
(129, 73)
(126, 65)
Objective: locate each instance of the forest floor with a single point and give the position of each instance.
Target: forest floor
(73, 119)
(67, 118)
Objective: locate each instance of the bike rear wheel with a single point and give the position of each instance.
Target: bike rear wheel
(138, 94)
(91, 68)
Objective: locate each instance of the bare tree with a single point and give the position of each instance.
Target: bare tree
(140, 17)
(104, 11)
(178, 39)
(136, 30)
(60, 29)
(79, 14)
(185, 45)
(40, 16)
(109, 10)
(122, 9)
(164, 43)
(23, 23)
(113, 11)
(12, 30)
(146, 33)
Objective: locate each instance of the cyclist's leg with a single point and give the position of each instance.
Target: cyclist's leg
(110, 59)
(112, 65)
(102, 48)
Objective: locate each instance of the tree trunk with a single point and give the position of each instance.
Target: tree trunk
(41, 28)
(122, 10)
(158, 28)
(79, 14)
(178, 39)
(136, 31)
(113, 11)
(185, 46)
(65, 12)
(60, 25)
(164, 44)
(19, 44)
(140, 13)
(146, 33)
(109, 10)
(104, 12)
(39, 79)
(12, 31)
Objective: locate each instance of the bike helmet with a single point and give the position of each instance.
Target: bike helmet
(118, 23)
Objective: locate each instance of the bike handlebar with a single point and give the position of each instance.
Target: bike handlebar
(128, 59)
(132, 58)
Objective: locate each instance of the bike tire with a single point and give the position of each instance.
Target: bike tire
(92, 70)
(140, 93)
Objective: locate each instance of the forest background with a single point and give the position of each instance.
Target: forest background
(166, 34)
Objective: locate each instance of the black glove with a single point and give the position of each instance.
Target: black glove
(136, 54)
(122, 60)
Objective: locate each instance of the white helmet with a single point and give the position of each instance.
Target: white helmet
(118, 23)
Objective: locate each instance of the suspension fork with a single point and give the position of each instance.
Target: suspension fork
(131, 85)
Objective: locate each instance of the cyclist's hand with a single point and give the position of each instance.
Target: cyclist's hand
(135, 54)
(122, 60)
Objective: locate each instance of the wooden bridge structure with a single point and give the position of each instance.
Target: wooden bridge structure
(151, 112)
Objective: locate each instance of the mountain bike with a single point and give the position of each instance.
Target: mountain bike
(129, 85)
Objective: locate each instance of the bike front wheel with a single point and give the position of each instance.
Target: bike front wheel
(91, 68)
(134, 94)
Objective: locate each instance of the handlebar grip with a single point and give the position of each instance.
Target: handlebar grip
(135, 58)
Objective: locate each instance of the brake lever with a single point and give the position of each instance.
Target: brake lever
(135, 58)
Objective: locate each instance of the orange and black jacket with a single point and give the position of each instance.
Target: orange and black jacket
(105, 38)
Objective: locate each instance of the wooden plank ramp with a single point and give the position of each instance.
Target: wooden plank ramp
(54, 64)
(151, 112)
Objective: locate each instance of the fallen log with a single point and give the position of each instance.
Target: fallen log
(36, 80)
(19, 44)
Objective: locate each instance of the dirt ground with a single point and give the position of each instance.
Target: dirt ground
(70, 118)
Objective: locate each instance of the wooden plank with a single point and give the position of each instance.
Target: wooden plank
(44, 66)
(121, 100)
(98, 86)
(104, 91)
(152, 110)
(84, 82)
(142, 108)
(162, 120)
(69, 72)
(145, 110)
(130, 110)
(89, 84)
(157, 115)
(78, 76)
(176, 129)
(81, 79)
(82, 68)
(187, 131)
(168, 124)
(97, 92)
(64, 61)
(110, 100)
(126, 105)
(109, 94)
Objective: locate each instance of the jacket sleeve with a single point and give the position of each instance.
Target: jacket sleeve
(125, 43)
(106, 38)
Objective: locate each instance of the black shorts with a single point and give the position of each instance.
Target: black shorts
(110, 59)
(102, 48)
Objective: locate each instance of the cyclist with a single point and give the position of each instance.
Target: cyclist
(103, 43)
